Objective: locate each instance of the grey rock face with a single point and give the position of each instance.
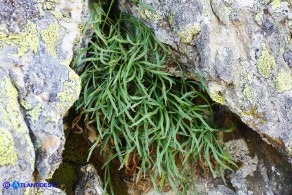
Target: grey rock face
(262, 169)
(241, 48)
(14, 14)
(48, 191)
(17, 153)
(37, 40)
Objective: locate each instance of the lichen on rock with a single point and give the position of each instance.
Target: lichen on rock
(10, 111)
(7, 150)
(217, 97)
(16, 148)
(36, 89)
(246, 91)
(266, 62)
(187, 35)
(35, 113)
(25, 40)
(50, 36)
(147, 15)
(284, 81)
(70, 93)
(275, 4)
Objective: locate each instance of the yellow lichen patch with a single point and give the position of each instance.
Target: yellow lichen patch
(48, 5)
(25, 40)
(58, 14)
(66, 62)
(50, 36)
(71, 92)
(246, 91)
(34, 114)
(11, 115)
(66, 98)
(148, 15)
(254, 114)
(74, 77)
(275, 4)
(284, 81)
(7, 153)
(259, 16)
(25, 104)
(265, 63)
(31, 38)
(218, 98)
(189, 32)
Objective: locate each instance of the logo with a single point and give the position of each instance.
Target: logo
(16, 185)
(6, 185)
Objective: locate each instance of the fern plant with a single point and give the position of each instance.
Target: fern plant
(156, 125)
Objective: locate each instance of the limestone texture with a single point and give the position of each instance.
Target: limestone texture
(243, 51)
(38, 40)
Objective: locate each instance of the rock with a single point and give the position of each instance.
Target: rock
(241, 48)
(17, 155)
(261, 170)
(88, 182)
(37, 41)
(48, 191)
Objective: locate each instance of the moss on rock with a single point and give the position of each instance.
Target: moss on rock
(65, 177)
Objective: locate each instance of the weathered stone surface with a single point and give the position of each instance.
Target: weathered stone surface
(89, 181)
(262, 169)
(17, 153)
(37, 40)
(46, 191)
(241, 48)
(15, 13)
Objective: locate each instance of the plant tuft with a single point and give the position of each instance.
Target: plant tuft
(155, 124)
